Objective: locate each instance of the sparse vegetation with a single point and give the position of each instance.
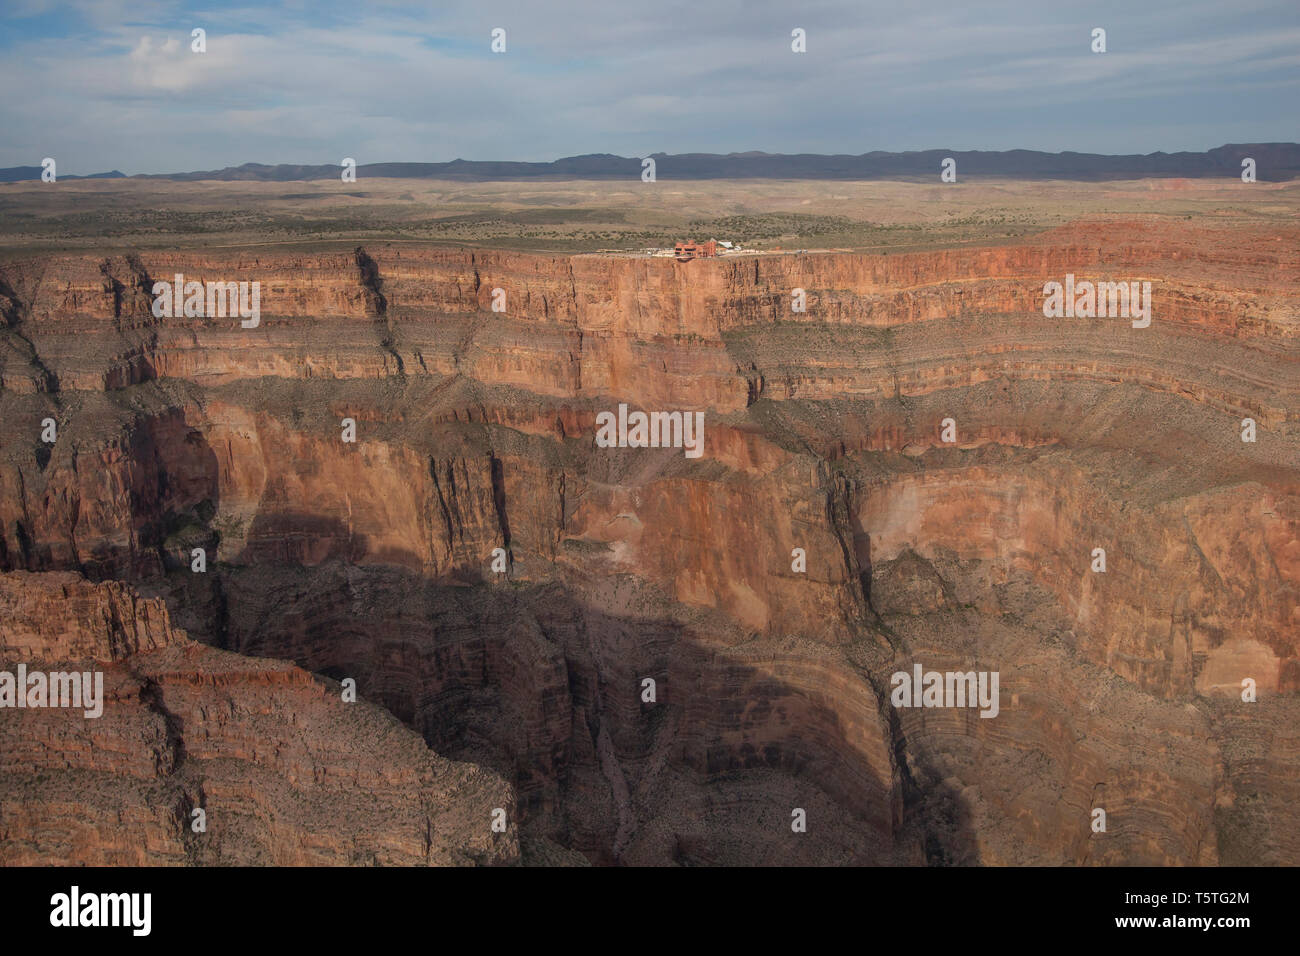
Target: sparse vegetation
(111, 216)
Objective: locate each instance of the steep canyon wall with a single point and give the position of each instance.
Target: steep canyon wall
(824, 432)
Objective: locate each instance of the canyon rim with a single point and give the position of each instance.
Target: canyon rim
(402, 495)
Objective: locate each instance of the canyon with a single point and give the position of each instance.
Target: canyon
(371, 561)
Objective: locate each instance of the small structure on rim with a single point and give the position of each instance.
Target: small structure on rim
(690, 249)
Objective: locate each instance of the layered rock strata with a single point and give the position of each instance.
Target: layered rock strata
(825, 429)
(284, 771)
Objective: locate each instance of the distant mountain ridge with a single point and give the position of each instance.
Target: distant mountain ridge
(1275, 162)
(17, 174)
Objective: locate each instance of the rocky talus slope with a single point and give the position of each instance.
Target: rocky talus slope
(824, 431)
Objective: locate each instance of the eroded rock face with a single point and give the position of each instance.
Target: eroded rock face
(1120, 690)
(286, 771)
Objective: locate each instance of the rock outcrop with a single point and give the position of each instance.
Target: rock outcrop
(374, 560)
(283, 769)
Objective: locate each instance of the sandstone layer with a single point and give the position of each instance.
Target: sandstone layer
(373, 560)
(283, 769)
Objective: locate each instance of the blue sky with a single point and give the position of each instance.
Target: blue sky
(114, 85)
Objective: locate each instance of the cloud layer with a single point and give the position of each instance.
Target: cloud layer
(115, 85)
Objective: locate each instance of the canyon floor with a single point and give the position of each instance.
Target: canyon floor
(918, 469)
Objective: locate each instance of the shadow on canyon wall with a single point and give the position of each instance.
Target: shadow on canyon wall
(548, 690)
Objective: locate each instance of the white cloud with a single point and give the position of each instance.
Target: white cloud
(394, 82)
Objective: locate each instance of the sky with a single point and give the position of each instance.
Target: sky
(115, 85)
